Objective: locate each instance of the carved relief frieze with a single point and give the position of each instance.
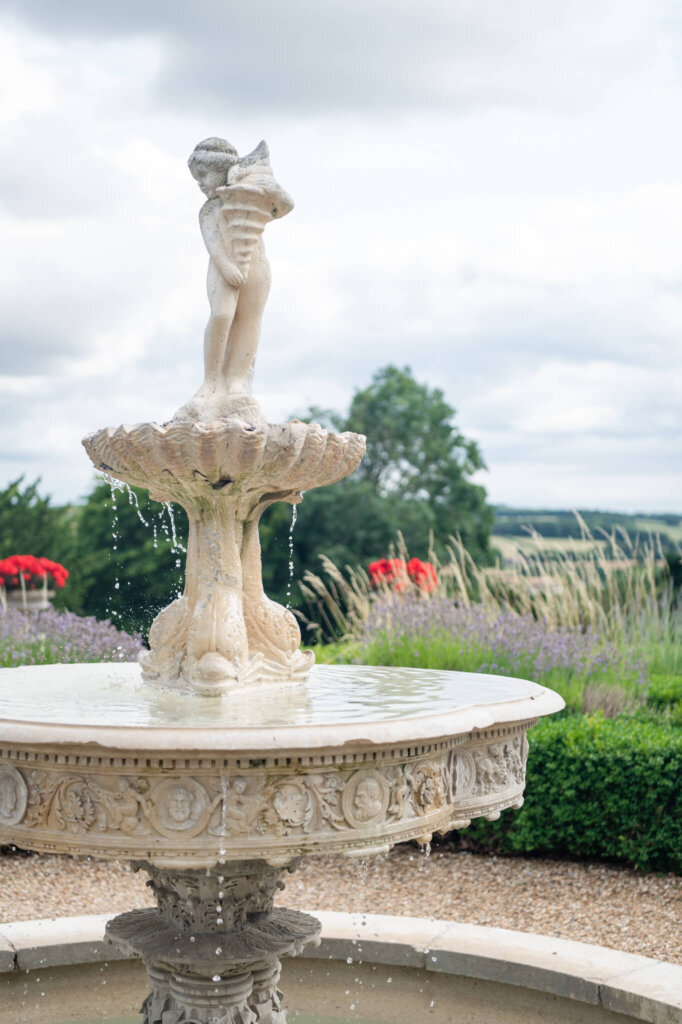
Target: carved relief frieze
(390, 794)
(499, 765)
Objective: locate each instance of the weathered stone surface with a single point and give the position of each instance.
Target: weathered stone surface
(221, 461)
(212, 946)
(651, 993)
(191, 811)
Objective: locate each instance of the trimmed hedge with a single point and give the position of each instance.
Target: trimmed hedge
(601, 788)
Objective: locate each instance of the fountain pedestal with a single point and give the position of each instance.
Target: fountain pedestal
(224, 632)
(212, 947)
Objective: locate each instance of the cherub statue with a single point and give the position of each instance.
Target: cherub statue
(241, 197)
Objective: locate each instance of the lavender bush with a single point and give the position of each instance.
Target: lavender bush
(437, 633)
(49, 637)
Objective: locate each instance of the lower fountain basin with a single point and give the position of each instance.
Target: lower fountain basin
(93, 761)
(375, 969)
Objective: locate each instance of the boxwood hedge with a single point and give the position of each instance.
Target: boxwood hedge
(599, 788)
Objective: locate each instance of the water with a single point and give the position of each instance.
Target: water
(292, 1017)
(294, 515)
(115, 696)
(169, 531)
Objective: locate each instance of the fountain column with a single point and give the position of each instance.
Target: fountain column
(212, 946)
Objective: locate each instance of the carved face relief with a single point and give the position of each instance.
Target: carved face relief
(13, 796)
(178, 807)
(365, 799)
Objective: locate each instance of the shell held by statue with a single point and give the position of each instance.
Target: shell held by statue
(247, 209)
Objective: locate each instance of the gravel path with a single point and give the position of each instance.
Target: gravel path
(612, 906)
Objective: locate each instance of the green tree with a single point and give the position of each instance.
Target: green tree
(31, 525)
(127, 566)
(415, 478)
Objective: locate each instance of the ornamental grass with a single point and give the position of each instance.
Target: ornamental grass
(594, 621)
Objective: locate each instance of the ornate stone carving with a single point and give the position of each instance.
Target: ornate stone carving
(365, 800)
(198, 811)
(465, 773)
(499, 765)
(13, 796)
(178, 807)
(80, 804)
(212, 946)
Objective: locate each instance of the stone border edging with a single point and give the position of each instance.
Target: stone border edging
(636, 986)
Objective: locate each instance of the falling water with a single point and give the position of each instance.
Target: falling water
(132, 498)
(294, 516)
(169, 530)
(114, 485)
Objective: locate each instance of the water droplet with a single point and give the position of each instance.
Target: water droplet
(294, 516)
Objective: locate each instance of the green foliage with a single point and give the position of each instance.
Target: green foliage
(665, 697)
(30, 525)
(127, 571)
(415, 479)
(599, 788)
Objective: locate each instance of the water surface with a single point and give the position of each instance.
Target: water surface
(114, 695)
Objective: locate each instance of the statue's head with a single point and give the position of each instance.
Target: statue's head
(210, 162)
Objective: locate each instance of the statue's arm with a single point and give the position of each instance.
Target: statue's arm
(213, 240)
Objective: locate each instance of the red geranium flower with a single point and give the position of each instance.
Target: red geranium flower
(35, 572)
(388, 570)
(423, 574)
(398, 575)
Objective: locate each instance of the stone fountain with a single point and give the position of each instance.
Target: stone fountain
(225, 756)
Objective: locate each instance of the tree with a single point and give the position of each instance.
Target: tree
(415, 478)
(30, 525)
(416, 453)
(126, 566)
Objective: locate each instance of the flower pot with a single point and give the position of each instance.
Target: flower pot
(29, 600)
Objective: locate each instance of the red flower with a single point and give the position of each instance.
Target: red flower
(423, 574)
(34, 571)
(394, 573)
(390, 571)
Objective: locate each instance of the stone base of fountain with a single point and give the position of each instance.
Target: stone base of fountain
(212, 947)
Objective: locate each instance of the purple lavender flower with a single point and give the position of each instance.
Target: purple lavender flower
(422, 632)
(48, 637)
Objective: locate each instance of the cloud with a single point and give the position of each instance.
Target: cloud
(385, 54)
(489, 193)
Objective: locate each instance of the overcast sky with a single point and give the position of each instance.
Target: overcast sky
(488, 191)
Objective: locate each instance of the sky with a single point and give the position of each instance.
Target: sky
(487, 191)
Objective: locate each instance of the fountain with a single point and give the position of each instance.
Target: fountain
(225, 756)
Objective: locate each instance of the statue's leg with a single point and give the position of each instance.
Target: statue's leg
(223, 298)
(244, 333)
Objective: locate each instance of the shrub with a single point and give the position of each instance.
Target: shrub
(598, 788)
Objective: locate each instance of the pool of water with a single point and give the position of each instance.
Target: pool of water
(116, 696)
(292, 1018)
